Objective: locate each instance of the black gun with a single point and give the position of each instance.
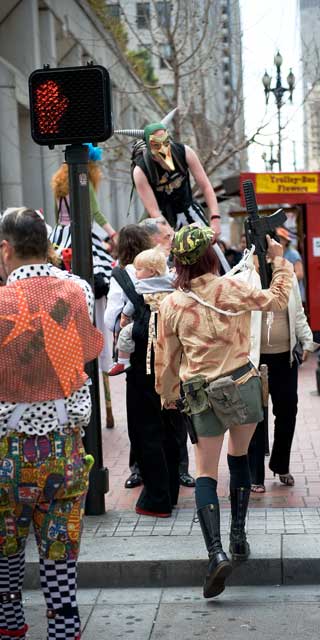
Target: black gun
(257, 228)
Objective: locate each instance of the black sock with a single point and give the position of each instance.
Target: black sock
(206, 492)
(239, 472)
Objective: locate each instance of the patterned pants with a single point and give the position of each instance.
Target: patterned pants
(43, 480)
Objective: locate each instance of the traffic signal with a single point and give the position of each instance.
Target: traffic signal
(70, 105)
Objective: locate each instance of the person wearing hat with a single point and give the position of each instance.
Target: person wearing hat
(161, 175)
(291, 254)
(204, 343)
(170, 194)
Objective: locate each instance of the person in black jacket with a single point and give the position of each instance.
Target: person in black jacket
(153, 445)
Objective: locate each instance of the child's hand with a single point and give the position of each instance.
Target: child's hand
(124, 320)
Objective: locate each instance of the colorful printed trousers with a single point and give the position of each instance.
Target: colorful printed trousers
(43, 481)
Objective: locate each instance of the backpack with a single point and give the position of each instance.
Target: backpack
(142, 312)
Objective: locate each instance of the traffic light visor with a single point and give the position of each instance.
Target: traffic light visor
(70, 105)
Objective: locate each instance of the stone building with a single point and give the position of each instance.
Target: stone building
(59, 33)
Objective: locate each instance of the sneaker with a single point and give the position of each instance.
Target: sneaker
(117, 368)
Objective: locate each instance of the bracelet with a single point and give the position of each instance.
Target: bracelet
(111, 235)
(215, 217)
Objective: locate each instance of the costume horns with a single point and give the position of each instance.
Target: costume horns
(139, 133)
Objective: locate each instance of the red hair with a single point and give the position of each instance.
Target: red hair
(208, 263)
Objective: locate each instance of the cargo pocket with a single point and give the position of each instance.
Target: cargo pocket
(226, 401)
(195, 395)
(251, 395)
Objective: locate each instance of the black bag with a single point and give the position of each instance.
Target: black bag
(141, 310)
(101, 286)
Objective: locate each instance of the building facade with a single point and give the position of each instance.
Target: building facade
(310, 38)
(59, 33)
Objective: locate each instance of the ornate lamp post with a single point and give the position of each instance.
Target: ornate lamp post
(269, 162)
(278, 92)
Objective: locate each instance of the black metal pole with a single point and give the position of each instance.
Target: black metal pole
(76, 157)
(279, 138)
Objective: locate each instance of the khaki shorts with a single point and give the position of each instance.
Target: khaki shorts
(207, 423)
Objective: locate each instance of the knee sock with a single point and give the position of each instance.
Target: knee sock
(59, 586)
(206, 492)
(11, 613)
(239, 472)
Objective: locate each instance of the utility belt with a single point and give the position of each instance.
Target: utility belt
(221, 395)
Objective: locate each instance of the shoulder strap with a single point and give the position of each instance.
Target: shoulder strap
(194, 296)
(125, 282)
(179, 157)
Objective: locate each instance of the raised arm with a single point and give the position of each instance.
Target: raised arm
(145, 193)
(205, 186)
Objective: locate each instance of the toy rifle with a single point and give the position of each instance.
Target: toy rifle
(256, 229)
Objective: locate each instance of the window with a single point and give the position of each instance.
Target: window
(163, 10)
(143, 15)
(113, 10)
(166, 55)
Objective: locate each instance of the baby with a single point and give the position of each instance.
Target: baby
(154, 283)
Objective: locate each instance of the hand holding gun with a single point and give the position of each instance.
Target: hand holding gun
(257, 228)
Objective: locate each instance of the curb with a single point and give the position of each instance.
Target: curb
(282, 559)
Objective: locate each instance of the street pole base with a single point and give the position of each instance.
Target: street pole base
(99, 486)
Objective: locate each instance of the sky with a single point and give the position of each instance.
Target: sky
(269, 25)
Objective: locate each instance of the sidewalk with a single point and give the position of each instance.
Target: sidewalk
(122, 549)
(305, 458)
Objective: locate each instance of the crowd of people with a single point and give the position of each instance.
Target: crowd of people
(179, 333)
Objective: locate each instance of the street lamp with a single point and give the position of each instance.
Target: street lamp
(278, 92)
(269, 162)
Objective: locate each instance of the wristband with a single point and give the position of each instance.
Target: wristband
(215, 217)
(111, 235)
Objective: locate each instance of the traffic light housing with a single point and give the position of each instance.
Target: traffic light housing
(70, 105)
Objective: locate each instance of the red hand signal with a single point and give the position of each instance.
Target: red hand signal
(50, 106)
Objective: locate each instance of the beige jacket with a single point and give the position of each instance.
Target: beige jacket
(193, 339)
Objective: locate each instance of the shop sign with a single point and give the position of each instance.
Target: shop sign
(287, 183)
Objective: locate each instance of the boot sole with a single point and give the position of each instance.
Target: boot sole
(216, 585)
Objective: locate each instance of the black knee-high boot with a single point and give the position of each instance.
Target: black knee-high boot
(240, 486)
(239, 546)
(219, 567)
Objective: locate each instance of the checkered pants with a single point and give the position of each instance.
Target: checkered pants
(59, 585)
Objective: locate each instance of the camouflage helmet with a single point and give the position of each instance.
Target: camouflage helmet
(190, 243)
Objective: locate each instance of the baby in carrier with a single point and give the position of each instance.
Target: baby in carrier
(154, 283)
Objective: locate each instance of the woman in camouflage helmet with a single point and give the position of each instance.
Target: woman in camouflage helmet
(204, 342)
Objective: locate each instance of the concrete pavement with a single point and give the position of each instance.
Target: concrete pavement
(156, 614)
(305, 458)
(121, 549)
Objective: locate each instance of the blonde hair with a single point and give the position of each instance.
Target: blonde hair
(152, 259)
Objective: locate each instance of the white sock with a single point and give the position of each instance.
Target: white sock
(125, 361)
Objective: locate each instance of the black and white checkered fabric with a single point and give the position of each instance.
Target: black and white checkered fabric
(11, 579)
(59, 586)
